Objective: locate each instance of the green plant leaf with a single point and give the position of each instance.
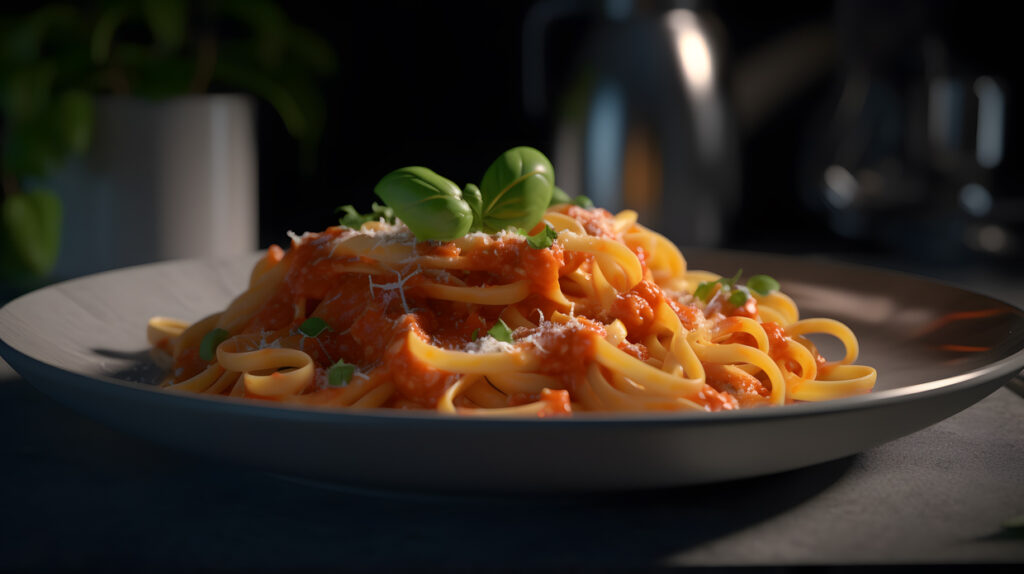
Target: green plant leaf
(22, 43)
(235, 68)
(516, 189)
(431, 205)
(74, 115)
(31, 223)
(312, 50)
(27, 92)
(109, 20)
(167, 21)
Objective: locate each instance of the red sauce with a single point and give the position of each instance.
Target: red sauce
(370, 317)
(635, 308)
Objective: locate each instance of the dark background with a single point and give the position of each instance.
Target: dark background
(441, 84)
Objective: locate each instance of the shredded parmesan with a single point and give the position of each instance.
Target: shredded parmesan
(488, 344)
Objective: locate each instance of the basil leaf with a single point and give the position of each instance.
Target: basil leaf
(516, 189)
(763, 284)
(704, 290)
(501, 332)
(340, 373)
(583, 201)
(558, 196)
(208, 346)
(313, 326)
(543, 238)
(737, 298)
(471, 193)
(429, 204)
(476, 334)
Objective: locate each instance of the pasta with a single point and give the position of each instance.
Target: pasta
(606, 318)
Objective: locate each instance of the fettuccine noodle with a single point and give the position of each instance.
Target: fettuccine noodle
(604, 319)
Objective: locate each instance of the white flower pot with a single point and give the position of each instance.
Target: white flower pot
(162, 180)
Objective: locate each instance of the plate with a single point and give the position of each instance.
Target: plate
(938, 349)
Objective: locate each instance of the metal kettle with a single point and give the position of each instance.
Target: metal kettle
(642, 122)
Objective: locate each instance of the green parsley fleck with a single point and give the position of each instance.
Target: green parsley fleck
(340, 373)
(313, 326)
(762, 284)
(543, 238)
(737, 298)
(501, 332)
(208, 346)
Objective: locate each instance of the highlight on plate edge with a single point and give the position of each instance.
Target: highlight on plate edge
(507, 298)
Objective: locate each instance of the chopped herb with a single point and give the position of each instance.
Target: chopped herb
(583, 201)
(543, 238)
(355, 220)
(501, 332)
(313, 326)
(737, 298)
(208, 346)
(762, 284)
(340, 373)
(731, 282)
(476, 334)
(704, 290)
(736, 295)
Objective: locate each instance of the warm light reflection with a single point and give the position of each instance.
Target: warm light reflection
(692, 49)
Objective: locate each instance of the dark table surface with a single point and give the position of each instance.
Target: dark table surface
(76, 494)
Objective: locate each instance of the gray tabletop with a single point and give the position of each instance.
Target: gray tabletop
(74, 493)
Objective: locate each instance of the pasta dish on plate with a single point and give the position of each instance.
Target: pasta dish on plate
(503, 299)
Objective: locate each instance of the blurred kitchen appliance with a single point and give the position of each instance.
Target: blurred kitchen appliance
(641, 120)
(914, 152)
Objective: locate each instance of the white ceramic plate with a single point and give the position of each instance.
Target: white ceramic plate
(83, 342)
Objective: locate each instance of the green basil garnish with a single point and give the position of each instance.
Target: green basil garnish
(208, 346)
(516, 190)
(558, 197)
(544, 238)
(430, 205)
(737, 296)
(501, 332)
(583, 201)
(762, 284)
(313, 326)
(340, 373)
(355, 220)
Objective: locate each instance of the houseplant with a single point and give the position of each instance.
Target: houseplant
(59, 62)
